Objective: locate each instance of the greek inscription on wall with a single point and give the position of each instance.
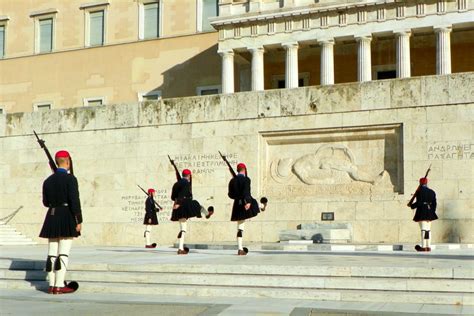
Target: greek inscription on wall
(134, 206)
(450, 151)
(203, 163)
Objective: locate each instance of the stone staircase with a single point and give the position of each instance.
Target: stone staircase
(313, 282)
(10, 237)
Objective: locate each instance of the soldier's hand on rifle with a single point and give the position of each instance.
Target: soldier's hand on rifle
(78, 228)
(247, 206)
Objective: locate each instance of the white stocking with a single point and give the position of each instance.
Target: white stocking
(240, 231)
(182, 228)
(53, 245)
(147, 235)
(63, 255)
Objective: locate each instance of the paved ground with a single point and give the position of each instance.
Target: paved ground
(28, 302)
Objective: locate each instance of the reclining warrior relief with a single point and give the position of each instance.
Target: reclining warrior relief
(323, 166)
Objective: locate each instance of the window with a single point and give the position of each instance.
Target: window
(380, 72)
(45, 35)
(149, 96)
(44, 23)
(94, 101)
(96, 28)
(42, 106)
(151, 20)
(206, 9)
(386, 74)
(278, 82)
(2, 41)
(207, 90)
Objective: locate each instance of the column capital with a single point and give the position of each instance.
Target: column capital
(402, 32)
(325, 41)
(290, 44)
(443, 28)
(363, 37)
(256, 49)
(226, 52)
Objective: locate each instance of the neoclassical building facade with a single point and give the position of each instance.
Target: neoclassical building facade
(326, 42)
(60, 54)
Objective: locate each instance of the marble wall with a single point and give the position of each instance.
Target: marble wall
(353, 149)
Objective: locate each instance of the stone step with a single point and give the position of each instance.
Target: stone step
(10, 237)
(309, 245)
(412, 272)
(261, 292)
(17, 243)
(280, 281)
(14, 233)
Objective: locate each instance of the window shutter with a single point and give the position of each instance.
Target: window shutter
(2, 41)
(151, 20)
(209, 10)
(46, 35)
(96, 28)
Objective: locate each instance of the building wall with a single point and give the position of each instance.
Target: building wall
(176, 66)
(381, 137)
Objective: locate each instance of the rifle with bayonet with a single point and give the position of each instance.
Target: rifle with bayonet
(178, 175)
(52, 163)
(228, 164)
(418, 188)
(156, 203)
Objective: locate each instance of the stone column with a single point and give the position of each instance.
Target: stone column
(291, 69)
(443, 50)
(257, 68)
(403, 54)
(227, 71)
(327, 62)
(364, 63)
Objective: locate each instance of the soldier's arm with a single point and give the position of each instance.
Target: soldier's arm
(246, 191)
(74, 201)
(45, 198)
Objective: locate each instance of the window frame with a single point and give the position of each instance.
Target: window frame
(199, 89)
(37, 105)
(302, 75)
(85, 101)
(199, 16)
(37, 32)
(4, 23)
(379, 68)
(141, 19)
(141, 95)
(88, 9)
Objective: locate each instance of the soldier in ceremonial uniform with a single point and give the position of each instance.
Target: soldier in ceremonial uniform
(185, 207)
(62, 223)
(425, 205)
(245, 206)
(150, 218)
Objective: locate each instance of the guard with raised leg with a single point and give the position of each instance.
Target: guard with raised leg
(184, 207)
(245, 206)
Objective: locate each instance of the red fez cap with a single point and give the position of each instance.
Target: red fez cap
(62, 154)
(423, 180)
(150, 191)
(186, 172)
(241, 166)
